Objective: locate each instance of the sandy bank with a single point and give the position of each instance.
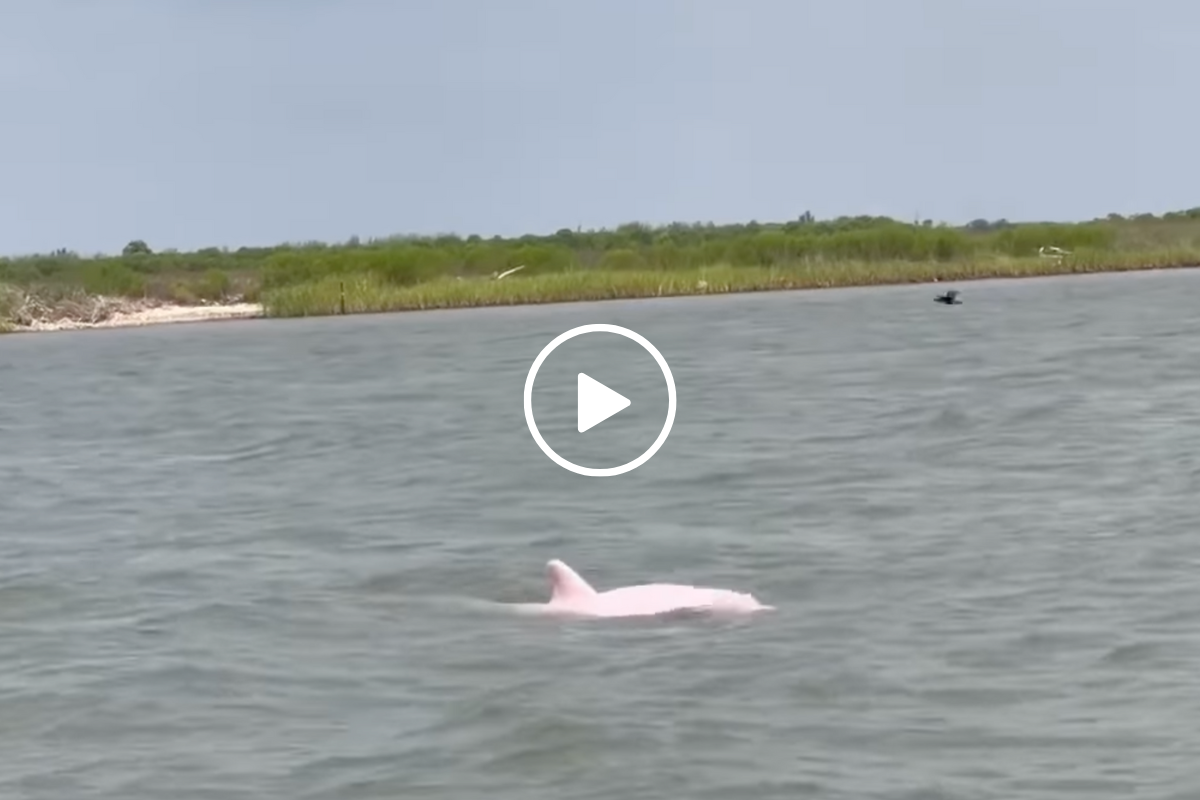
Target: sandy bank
(156, 315)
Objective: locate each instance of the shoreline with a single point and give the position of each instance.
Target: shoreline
(174, 313)
(366, 294)
(164, 314)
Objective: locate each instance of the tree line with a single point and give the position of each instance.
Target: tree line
(410, 259)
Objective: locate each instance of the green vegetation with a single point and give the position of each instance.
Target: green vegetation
(633, 260)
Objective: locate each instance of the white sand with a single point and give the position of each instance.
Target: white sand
(159, 315)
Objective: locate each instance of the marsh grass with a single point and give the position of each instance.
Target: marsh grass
(370, 293)
(10, 301)
(631, 260)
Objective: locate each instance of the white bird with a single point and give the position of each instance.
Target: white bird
(509, 272)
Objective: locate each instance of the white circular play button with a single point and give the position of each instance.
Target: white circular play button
(596, 402)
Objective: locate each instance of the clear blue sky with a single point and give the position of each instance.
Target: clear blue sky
(193, 123)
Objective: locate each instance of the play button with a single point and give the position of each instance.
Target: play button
(597, 402)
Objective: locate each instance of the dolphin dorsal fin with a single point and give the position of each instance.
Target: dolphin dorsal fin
(565, 583)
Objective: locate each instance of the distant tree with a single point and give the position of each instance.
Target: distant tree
(136, 247)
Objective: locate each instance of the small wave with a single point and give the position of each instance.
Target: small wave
(1134, 654)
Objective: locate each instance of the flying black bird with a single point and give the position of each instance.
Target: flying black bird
(950, 298)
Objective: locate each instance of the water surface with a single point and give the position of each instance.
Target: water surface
(262, 559)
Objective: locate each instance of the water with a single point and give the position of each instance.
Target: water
(264, 559)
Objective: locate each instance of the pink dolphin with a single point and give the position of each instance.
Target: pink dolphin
(573, 595)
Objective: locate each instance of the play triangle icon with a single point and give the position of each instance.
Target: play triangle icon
(597, 402)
